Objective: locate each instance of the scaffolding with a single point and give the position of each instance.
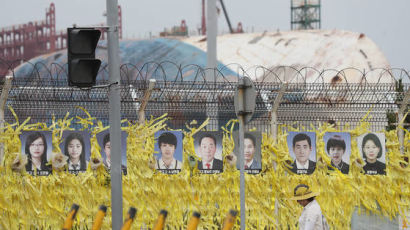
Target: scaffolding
(305, 14)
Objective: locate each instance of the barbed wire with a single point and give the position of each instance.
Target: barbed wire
(191, 92)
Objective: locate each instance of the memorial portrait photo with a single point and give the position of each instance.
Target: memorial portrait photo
(104, 142)
(338, 147)
(302, 149)
(208, 146)
(251, 151)
(76, 146)
(37, 146)
(168, 148)
(372, 147)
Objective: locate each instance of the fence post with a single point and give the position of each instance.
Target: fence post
(274, 111)
(274, 125)
(3, 100)
(144, 102)
(400, 115)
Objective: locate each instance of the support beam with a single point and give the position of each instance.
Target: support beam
(144, 102)
(274, 126)
(400, 116)
(3, 100)
(226, 17)
(274, 111)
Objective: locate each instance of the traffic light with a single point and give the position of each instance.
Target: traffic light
(82, 65)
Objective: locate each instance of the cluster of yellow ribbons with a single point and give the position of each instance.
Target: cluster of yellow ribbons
(42, 202)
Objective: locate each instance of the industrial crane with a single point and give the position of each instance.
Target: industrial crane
(203, 21)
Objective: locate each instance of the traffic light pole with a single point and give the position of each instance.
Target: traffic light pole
(114, 113)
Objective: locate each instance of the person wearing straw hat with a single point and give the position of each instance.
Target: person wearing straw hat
(311, 217)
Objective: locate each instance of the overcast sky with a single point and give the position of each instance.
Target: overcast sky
(386, 22)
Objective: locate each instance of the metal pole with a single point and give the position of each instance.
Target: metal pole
(203, 23)
(245, 97)
(211, 32)
(242, 168)
(114, 114)
(211, 63)
(241, 103)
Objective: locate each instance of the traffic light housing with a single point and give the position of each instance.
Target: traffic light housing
(82, 65)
